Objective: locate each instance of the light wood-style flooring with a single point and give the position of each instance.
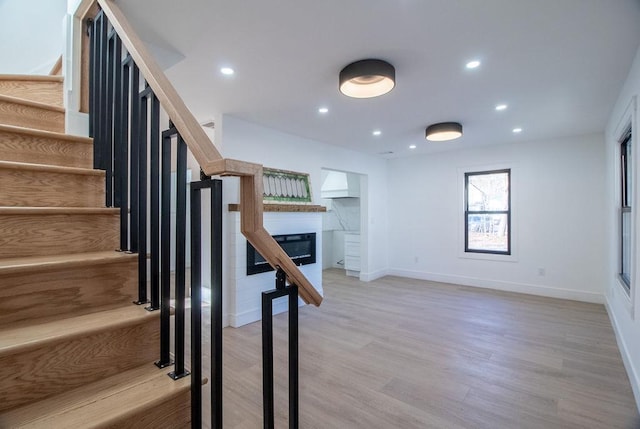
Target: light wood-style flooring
(402, 353)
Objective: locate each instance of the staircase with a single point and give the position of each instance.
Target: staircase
(74, 351)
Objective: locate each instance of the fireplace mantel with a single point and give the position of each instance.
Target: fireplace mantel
(293, 208)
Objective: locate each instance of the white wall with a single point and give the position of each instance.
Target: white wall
(624, 312)
(557, 218)
(31, 35)
(250, 142)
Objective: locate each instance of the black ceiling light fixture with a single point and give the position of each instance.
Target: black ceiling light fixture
(367, 78)
(443, 131)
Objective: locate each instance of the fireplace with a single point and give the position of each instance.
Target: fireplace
(301, 248)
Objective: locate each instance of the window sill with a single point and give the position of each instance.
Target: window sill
(488, 257)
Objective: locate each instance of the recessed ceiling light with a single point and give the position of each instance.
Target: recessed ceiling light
(323, 110)
(517, 130)
(227, 71)
(501, 107)
(376, 132)
(412, 146)
(473, 64)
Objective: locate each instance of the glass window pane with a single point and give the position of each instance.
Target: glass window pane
(625, 268)
(487, 232)
(488, 192)
(628, 181)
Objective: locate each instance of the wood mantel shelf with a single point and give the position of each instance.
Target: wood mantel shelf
(285, 208)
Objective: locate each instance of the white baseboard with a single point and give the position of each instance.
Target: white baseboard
(369, 277)
(632, 373)
(548, 291)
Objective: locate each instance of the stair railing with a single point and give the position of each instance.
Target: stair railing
(127, 95)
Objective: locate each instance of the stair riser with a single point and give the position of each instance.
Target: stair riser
(37, 188)
(28, 116)
(19, 147)
(66, 364)
(66, 291)
(49, 234)
(47, 92)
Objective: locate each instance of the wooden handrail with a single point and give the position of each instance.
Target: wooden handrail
(210, 160)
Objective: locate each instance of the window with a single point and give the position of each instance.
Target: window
(487, 212)
(626, 183)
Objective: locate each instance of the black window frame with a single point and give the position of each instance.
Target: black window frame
(468, 212)
(626, 166)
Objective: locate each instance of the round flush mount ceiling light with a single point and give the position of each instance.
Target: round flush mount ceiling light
(443, 131)
(367, 78)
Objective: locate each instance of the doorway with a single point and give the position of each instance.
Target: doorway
(343, 192)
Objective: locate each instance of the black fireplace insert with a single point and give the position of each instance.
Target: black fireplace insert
(301, 248)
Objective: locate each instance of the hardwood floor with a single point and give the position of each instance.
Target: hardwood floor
(401, 353)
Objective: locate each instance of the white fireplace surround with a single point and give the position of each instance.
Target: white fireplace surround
(244, 292)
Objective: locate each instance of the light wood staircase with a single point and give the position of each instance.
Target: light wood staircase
(75, 352)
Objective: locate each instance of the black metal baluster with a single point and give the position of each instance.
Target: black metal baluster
(216, 304)
(196, 306)
(142, 196)
(293, 357)
(103, 98)
(135, 160)
(91, 33)
(267, 360)
(124, 155)
(267, 350)
(181, 215)
(118, 132)
(155, 204)
(108, 119)
(99, 80)
(165, 252)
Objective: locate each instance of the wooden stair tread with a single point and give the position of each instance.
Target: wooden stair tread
(32, 77)
(45, 134)
(17, 100)
(24, 338)
(50, 168)
(102, 403)
(39, 263)
(57, 210)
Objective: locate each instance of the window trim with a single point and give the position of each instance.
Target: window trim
(617, 290)
(624, 206)
(468, 212)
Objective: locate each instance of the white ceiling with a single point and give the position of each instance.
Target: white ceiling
(558, 64)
